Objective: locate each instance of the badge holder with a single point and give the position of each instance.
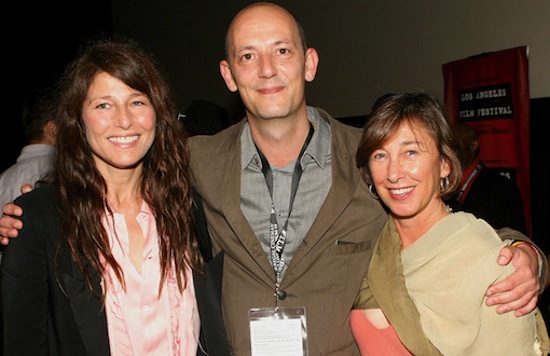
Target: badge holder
(278, 331)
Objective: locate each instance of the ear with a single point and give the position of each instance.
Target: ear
(50, 130)
(312, 61)
(225, 70)
(444, 168)
(474, 147)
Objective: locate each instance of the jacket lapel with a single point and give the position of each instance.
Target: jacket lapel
(345, 181)
(228, 176)
(87, 310)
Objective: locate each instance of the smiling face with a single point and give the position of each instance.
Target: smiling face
(267, 63)
(406, 172)
(119, 121)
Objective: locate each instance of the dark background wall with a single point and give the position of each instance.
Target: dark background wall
(46, 36)
(366, 48)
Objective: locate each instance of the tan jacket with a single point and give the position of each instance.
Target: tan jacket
(323, 276)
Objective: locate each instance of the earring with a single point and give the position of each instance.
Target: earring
(372, 192)
(444, 183)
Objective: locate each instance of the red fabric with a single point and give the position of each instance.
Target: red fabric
(468, 177)
(374, 341)
(490, 92)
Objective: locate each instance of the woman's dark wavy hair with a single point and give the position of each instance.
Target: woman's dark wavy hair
(165, 184)
(414, 109)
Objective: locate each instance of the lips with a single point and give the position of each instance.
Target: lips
(272, 90)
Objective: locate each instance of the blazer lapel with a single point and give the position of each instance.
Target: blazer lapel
(228, 176)
(87, 310)
(345, 181)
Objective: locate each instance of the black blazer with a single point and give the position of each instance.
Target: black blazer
(70, 321)
(208, 289)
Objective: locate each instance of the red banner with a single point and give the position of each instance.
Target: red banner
(491, 93)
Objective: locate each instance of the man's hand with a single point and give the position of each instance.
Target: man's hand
(9, 225)
(520, 291)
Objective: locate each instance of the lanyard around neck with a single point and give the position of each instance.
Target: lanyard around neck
(278, 238)
(467, 184)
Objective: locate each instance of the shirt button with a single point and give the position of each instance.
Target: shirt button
(281, 295)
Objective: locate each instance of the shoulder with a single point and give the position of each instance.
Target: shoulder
(344, 137)
(222, 141)
(44, 193)
(39, 202)
(40, 224)
(11, 172)
(473, 231)
(209, 152)
(338, 127)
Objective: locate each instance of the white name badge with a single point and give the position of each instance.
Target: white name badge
(278, 332)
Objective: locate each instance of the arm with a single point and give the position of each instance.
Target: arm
(520, 291)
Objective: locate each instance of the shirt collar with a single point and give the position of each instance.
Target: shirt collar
(318, 149)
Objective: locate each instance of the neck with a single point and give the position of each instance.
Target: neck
(123, 186)
(411, 229)
(280, 143)
(124, 200)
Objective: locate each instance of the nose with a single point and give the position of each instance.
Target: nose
(395, 171)
(123, 119)
(267, 68)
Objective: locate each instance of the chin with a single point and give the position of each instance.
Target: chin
(403, 213)
(274, 112)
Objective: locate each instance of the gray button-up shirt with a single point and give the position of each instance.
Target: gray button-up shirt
(314, 186)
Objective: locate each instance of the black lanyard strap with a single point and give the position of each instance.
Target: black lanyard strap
(278, 237)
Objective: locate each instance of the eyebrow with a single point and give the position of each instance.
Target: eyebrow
(410, 142)
(275, 43)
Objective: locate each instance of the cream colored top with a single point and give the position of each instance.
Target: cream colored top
(433, 292)
(447, 273)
